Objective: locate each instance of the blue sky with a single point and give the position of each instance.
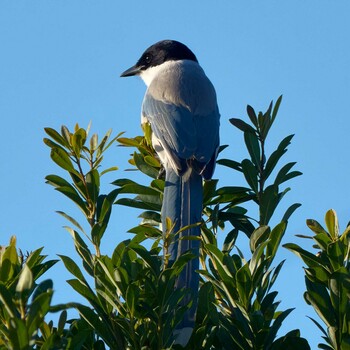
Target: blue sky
(60, 64)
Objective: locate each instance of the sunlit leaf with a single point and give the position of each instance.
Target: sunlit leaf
(56, 136)
(331, 220)
(25, 281)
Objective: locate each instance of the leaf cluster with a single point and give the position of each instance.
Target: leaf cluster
(130, 295)
(327, 278)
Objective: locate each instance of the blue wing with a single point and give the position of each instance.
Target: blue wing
(189, 140)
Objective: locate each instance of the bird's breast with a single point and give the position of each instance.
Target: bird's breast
(184, 83)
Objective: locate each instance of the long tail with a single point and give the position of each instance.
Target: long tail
(182, 203)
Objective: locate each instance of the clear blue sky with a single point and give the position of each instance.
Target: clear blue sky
(60, 63)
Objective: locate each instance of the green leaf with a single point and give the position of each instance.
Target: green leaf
(8, 263)
(62, 159)
(130, 142)
(251, 174)
(252, 116)
(152, 161)
(83, 289)
(149, 231)
(37, 310)
(336, 254)
(232, 190)
(147, 257)
(290, 211)
(252, 143)
(97, 231)
(72, 267)
(282, 174)
(83, 251)
(136, 203)
(57, 137)
(318, 326)
(78, 140)
(101, 146)
(158, 185)
(6, 301)
(57, 181)
(275, 109)
(276, 155)
(144, 167)
(275, 239)
(66, 134)
(150, 216)
(316, 227)
(277, 325)
(254, 262)
(218, 259)
(52, 144)
(25, 281)
(261, 234)
(230, 164)
(338, 292)
(318, 297)
(93, 142)
(112, 337)
(104, 212)
(322, 240)
(135, 188)
(230, 241)
(72, 194)
(310, 259)
(132, 295)
(331, 220)
(113, 168)
(241, 125)
(244, 284)
(276, 273)
(71, 220)
(209, 190)
(268, 203)
(93, 184)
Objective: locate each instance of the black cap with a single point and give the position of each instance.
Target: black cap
(160, 52)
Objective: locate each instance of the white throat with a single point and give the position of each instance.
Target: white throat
(149, 74)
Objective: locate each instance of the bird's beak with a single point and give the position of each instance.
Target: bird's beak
(134, 70)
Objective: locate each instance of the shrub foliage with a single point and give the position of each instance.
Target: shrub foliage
(130, 298)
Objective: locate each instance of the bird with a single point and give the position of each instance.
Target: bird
(180, 105)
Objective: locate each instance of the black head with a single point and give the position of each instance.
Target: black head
(160, 52)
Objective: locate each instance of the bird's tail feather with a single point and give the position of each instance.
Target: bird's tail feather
(182, 203)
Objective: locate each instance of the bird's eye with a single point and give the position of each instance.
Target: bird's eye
(148, 58)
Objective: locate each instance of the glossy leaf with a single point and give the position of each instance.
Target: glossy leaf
(259, 235)
(331, 220)
(268, 203)
(318, 297)
(25, 281)
(230, 164)
(275, 239)
(240, 124)
(290, 211)
(310, 259)
(252, 116)
(252, 143)
(56, 136)
(276, 155)
(144, 167)
(61, 158)
(250, 174)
